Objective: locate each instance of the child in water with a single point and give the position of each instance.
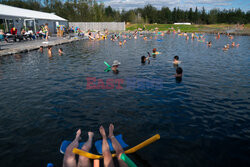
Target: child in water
(176, 60)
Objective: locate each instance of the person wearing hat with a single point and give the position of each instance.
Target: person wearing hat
(115, 65)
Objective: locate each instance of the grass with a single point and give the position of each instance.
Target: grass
(186, 28)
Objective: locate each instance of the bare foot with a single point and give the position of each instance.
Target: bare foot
(78, 133)
(111, 130)
(91, 135)
(102, 132)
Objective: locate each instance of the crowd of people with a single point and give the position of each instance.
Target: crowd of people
(25, 34)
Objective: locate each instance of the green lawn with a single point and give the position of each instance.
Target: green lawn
(185, 28)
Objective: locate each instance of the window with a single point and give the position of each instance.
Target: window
(2, 24)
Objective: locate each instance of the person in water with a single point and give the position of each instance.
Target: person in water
(50, 51)
(155, 51)
(120, 43)
(69, 159)
(209, 44)
(233, 44)
(60, 51)
(225, 48)
(178, 72)
(115, 65)
(176, 60)
(41, 49)
(144, 59)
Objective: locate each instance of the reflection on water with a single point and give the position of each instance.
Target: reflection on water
(203, 119)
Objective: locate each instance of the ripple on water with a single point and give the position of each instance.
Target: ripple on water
(203, 121)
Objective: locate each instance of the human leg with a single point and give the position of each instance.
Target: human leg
(108, 161)
(84, 161)
(69, 157)
(116, 145)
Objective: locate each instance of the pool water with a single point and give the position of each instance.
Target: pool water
(203, 120)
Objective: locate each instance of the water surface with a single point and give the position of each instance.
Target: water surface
(203, 120)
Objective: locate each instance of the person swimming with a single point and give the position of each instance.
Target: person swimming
(178, 72)
(60, 51)
(209, 44)
(41, 49)
(120, 43)
(144, 59)
(225, 48)
(50, 51)
(115, 65)
(176, 60)
(218, 36)
(233, 44)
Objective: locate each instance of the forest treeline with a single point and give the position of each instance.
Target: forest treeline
(90, 10)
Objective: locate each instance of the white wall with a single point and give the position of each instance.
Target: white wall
(99, 26)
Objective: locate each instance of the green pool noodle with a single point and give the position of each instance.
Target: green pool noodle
(107, 70)
(107, 64)
(127, 160)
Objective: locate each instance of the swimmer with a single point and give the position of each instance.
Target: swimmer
(233, 44)
(50, 51)
(187, 37)
(154, 51)
(230, 36)
(178, 72)
(144, 59)
(69, 159)
(41, 49)
(115, 65)
(209, 44)
(218, 36)
(145, 38)
(176, 60)
(124, 41)
(192, 36)
(120, 43)
(60, 51)
(225, 48)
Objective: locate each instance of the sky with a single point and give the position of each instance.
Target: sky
(182, 4)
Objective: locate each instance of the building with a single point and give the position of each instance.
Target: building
(182, 23)
(24, 18)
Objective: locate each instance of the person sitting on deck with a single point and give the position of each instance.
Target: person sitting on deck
(2, 36)
(69, 159)
(13, 31)
(23, 32)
